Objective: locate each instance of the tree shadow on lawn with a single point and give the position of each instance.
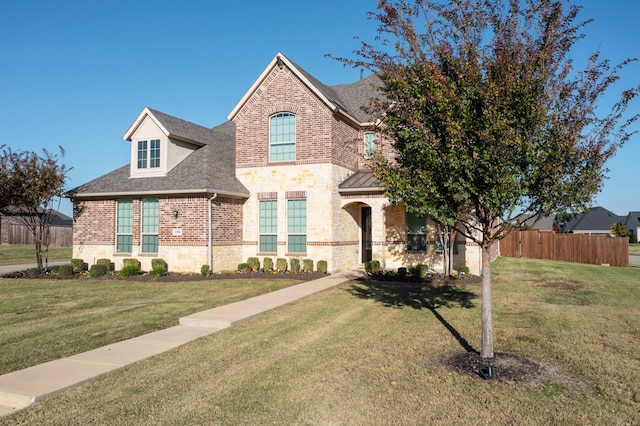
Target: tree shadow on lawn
(418, 295)
(432, 296)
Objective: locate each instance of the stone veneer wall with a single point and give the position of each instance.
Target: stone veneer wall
(332, 233)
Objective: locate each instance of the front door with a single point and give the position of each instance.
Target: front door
(366, 234)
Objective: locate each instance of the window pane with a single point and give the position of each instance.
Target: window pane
(268, 243)
(369, 144)
(268, 217)
(154, 153)
(125, 217)
(282, 137)
(150, 215)
(124, 243)
(416, 233)
(142, 154)
(149, 243)
(297, 243)
(416, 242)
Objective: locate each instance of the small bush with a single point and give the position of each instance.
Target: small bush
(375, 264)
(322, 266)
(106, 262)
(129, 270)
(97, 270)
(157, 262)
(204, 270)
(462, 270)
(295, 265)
(254, 263)
(32, 272)
(418, 270)
(128, 261)
(243, 268)
(281, 264)
(227, 272)
(158, 271)
(65, 271)
(307, 265)
(78, 265)
(267, 264)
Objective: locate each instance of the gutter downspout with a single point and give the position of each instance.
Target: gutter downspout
(215, 195)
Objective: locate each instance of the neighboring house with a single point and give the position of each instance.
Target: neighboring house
(633, 223)
(285, 177)
(541, 223)
(595, 221)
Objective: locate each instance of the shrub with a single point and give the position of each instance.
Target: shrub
(371, 266)
(281, 264)
(129, 270)
(106, 262)
(267, 264)
(32, 272)
(295, 265)
(376, 265)
(128, 261)
(65, 270)
(462, 270)
(204, 270)
(322, 266)
(307, 265)
(78, 265)
(158, 263)
(54, 268)
(243, 268)
(418, 270)
(158, 271)
(97, 270)
(254, 263)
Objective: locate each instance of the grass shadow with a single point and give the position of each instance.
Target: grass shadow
(420, 295)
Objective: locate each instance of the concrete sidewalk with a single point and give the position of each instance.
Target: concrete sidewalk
(9, 269)
(22, 388)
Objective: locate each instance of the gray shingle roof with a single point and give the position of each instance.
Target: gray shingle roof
(595, 219)
(208, 169)
(352, 97)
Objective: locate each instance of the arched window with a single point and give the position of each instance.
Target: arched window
(282, 137)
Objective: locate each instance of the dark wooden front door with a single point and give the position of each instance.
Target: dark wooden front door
(366, 234)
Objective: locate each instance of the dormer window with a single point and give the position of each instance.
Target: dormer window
(149, 154)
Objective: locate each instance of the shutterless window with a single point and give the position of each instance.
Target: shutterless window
(439, 244)
(154, 153)
(142, 154)
(297, 226)
(416, 233)
(150, 225)
(282, 137)
(124, 226)
(369, 144)
(268, 226)
(149, 154)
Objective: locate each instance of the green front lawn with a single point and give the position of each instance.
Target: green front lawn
(12, 254)
(373, 353)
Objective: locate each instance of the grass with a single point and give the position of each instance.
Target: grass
(634, 248)
(359, 354)
(13, 254)
(42, 320)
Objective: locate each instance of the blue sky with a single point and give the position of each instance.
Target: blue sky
(77, 73)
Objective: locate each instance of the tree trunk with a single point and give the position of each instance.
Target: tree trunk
(486, 350)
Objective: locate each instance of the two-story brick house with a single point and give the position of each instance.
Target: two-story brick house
(286, 176)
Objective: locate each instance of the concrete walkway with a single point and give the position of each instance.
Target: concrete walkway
(8, 269)
(22, 388)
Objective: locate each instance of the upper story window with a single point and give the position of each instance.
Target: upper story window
(369, 144)
(282, 137)
(149, 154)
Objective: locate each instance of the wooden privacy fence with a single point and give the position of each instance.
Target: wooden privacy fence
(61, 236)
(577, 248)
